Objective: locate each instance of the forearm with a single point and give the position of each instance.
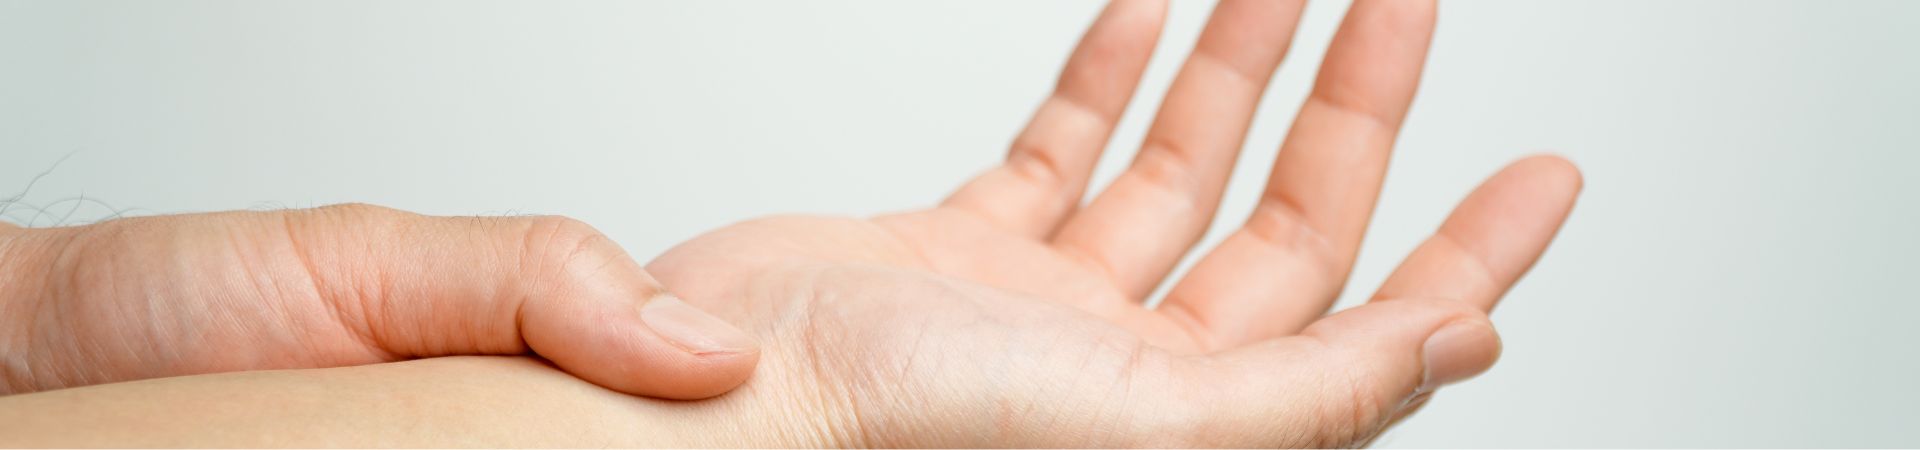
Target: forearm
(442, 402)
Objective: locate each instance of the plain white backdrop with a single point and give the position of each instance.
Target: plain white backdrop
(1739, 272)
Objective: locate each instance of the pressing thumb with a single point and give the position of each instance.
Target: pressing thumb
(459, 286)
(1348, 374)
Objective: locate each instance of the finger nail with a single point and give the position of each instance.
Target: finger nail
(1458, 351)
(691, 329)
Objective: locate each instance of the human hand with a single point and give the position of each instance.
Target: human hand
(345, 285)
(1010, 315)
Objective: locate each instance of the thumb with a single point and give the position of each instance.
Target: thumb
(438, 286)
(1348, 374)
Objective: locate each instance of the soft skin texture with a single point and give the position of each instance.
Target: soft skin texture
(1009, 315)
(344, 285)
(867, 347)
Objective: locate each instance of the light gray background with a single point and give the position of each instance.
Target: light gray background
(1737, 273)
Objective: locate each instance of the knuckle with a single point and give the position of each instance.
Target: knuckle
(348, 255)
(560, 239)
(1168, 169)
(567, 252)
(322, 239)
(345, 224)
(1459, 311)
(360, 212)
(1038, 164)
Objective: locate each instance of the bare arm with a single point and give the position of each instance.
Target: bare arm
(459, 401)
(1011, 315)
(345, 285)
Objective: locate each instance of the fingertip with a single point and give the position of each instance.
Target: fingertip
(1357, 368)
(700, 377)
(1106, 65)
(1423, 10)
(1127, 24)
(1457, 351)
(1516, 212)
(1145, 17)
(624, 353)
(1401, 14)
(691, 329)
(604, 333)
(720, 357)
(1552, 169)
(706, 376)
(1531, 198)
(1140, 12)
(1394, 323)
(1430, 342)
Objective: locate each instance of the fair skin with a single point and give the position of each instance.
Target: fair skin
(345, 285)
(1010, 314)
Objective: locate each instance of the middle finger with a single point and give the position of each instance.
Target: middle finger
(1138, 228)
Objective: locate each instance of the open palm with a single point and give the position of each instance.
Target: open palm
(1012, 314)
